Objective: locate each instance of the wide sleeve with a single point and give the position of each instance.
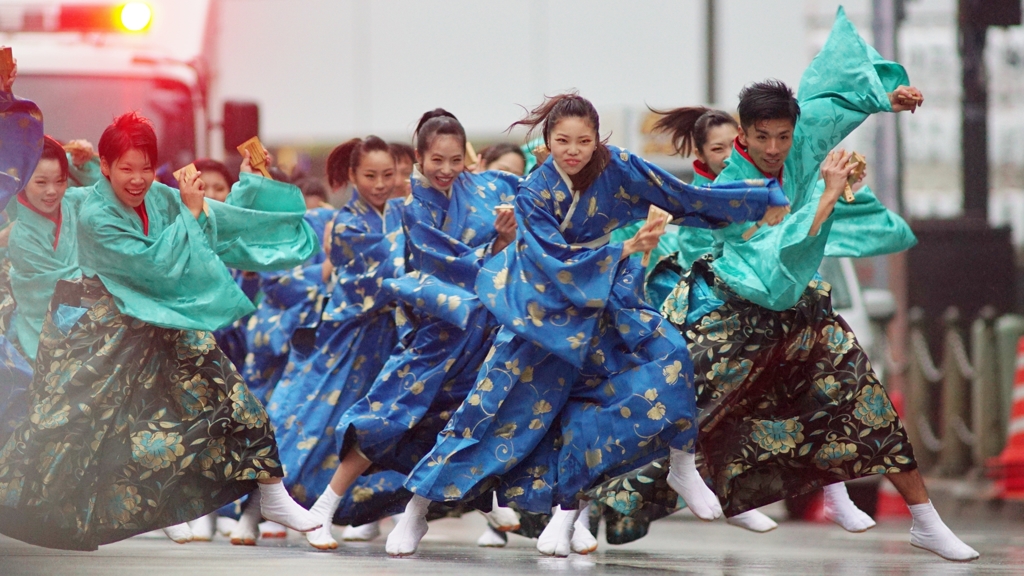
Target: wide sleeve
(362, 262)
(865, 227)
(261, 226)
(442, 269)
(706, 206)
(543, 288)
(172, 279)
(845, 83)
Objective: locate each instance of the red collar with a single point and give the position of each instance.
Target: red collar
(141, 211)
(57, 217)
(703, 169)
(743, 152)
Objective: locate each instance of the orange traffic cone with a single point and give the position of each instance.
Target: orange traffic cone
(1008, 467)
(890, 503)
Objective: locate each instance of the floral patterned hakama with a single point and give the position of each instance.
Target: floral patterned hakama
(788, 403)
(132, 428)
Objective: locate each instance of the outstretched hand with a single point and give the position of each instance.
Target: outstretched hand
(906, 98)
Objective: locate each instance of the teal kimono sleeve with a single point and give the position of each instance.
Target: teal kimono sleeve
(261, 226)
(845, 83)
(171, 277)
(865, 227)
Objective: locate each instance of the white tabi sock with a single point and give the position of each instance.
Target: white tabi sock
(277, 505)
(247, 529)
(180, 533)
(686, 481)
(203, 528)
(556, 539)
(363, 533)
(841, 510)
(324, 508)
(930, 533)
(406, 536)
(270, 529)
(583, 542)
(500, 518)
(492, 538)
(754, 521)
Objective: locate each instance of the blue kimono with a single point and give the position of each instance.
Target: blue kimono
(449, 236)
(584, 376)
(355, 338)
(290, 301)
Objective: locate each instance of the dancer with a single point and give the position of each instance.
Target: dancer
(505, 157)
(405, 159)
(43, 249)
(579, 357)
(794, 405)
(138, 421)
(708, 134)
(289, 301)
(354, 339)
(451, 228)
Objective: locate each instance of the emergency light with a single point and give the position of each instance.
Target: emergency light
(130, 17)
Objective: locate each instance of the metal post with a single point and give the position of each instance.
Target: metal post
(886, 161)
(974, 138)
(710, 37)
(954, 459)
(918, 395)
(987, 393)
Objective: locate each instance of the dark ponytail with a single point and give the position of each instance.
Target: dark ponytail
(338, 163)
(437, 122)
(689, 126)
(349, 155)
(570, 105)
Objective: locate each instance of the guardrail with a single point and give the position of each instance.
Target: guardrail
(958, 408)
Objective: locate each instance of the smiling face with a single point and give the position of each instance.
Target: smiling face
(130, 176)
(443, 161)
(47, 186)
(215, 186)
(374, 178)
(718, 147)
(768, 143)
(572, 141)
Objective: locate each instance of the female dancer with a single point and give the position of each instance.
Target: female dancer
(138, 421)
(708, 134)
(580, 375)
(356, 333)
(43, 249)
(450, 230)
